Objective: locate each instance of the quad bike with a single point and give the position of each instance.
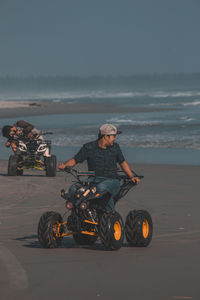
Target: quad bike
(88, 220)
(30, 156)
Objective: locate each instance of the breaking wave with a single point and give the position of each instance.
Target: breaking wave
(193, 103)
(98, 94)
(143, 141)
(118, 121)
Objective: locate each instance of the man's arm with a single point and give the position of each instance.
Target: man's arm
(69, 163)
(8, 143)
(78, 158)
(12, 144)
(126, 168)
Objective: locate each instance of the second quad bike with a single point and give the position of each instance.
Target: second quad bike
(87, 220)
(30, 156)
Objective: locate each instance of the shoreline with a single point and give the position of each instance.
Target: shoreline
(12, 109)
(135, 156)
(135, 166)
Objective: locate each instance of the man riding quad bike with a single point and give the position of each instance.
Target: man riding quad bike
(88, 219)
(28, 146)
(102, 157)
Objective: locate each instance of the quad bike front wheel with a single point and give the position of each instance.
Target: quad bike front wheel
(13, 166)
(138, 228)
(50, 164)
(49, 229)
(111, 230)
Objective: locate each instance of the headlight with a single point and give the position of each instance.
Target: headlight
(83, 205)
(22, 147)
(69, 205)
(42, 147)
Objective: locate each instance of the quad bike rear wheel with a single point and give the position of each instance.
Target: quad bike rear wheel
(50, 163)
(49, 229)
(138, 228)
(13, 166)
(111, 230)
(84, 239)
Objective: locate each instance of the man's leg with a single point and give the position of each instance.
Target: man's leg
(14, 147)
(112, 186)
(46, 153)
(73, 190)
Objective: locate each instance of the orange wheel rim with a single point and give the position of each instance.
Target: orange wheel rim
(56, 229)
(117, 230)
(145, 228)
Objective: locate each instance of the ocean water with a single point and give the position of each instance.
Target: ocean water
(170, 135)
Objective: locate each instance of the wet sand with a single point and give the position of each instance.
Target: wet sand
(167, 269)
(23, 109)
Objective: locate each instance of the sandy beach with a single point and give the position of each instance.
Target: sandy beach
(12, 109)
(167, 269)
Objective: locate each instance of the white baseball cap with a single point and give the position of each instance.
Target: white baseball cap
(108, 129)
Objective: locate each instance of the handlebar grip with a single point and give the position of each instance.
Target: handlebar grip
(67, 169)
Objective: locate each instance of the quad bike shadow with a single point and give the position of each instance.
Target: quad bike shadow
(88, 220)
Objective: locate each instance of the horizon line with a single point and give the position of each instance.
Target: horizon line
(34, 76)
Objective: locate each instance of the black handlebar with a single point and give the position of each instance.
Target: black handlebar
(77, 174)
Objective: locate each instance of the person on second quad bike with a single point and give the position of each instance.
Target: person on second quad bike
(21, 130)
(102, 157)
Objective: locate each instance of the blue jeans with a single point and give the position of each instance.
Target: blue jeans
(103, 184)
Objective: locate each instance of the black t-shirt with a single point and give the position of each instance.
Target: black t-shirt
(102, 161)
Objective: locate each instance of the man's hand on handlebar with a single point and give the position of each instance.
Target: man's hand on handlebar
(7, 144)
(61, 166)
(136, 180)
(65, 168)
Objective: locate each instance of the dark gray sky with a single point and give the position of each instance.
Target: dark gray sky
(99, 37)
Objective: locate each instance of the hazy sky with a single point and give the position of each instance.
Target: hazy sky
(99, 37)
